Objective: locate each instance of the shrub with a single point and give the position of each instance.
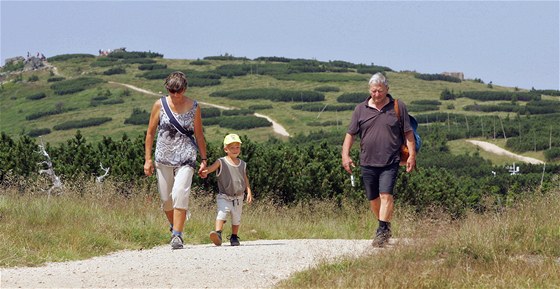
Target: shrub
(353, 97)
(96, 121)
(244, 122)
(157, 73)
(552, 154)
(260, 106)
(225, 57)
(39, 132)
(55, 79)
(112, 71)
(320, 77)
(134, 54)
(43, 113)
(272, 94)
(153, 66)
(237, 112)
(209, 112)
(33, 78)
(64, 57)
(95, 103)
(74, 85)
(322, 107)
(138, 117)
(327, 89)
(138, 61)
(363, 69)
(200, 62)
(36, 96)
(441, 77)
(201, 82)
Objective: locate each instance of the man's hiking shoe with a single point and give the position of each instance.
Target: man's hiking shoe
(216, 237)
(381, 238)
(176, 242)
(234, 240)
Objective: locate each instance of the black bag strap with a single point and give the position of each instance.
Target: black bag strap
(175, 122)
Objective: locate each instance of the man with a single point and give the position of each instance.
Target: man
(375, 120)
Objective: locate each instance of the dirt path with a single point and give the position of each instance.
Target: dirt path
(254, 264)
(500, 151)
(276, 127)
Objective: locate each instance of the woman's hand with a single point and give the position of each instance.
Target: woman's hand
(148, 168)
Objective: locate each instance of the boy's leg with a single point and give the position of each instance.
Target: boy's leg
(237, 208)
(223, 209)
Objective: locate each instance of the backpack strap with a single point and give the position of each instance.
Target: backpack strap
(175, 122)
(399, 118)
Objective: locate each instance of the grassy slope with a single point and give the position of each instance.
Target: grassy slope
(15, 107)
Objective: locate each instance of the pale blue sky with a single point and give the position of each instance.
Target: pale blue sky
(511, 43)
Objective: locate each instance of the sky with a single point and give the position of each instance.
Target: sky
(510, 43)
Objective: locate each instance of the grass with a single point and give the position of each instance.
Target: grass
(518, 247)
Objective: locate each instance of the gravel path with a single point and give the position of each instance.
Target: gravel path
(500, 151)
(254, 264)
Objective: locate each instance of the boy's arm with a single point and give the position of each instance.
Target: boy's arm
(249, 193)
(210, 169)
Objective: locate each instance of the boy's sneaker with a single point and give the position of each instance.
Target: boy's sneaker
(234, 240)
(381, 238)
(176, 242)
(216, 237)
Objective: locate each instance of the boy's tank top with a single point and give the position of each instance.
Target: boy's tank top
(231, 178)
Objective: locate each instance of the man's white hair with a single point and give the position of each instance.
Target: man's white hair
(378, 78)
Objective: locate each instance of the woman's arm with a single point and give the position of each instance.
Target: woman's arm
(199, 136)
(150, 136)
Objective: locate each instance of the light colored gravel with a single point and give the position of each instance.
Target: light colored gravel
(500, 151)
(254, 264)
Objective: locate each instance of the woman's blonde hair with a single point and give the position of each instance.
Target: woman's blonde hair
(176, 82)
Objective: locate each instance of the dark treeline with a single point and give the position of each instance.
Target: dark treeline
(301, 170)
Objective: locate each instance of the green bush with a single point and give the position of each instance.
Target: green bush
(225, 57)
(320, 77)
(153, 66)
(74, 85)
(552, 154)
(36, 96)
(138, 117)
(353, 97)
(243, 122)
(33, 78)
(117, 70)
(272, 94)
(96, 121)
(138, 61)
(38, 132)
(327, 89)
(48, 112)
(64, 57)
(260, 106)
(237, 112)
(433, 77)
(200, 62)
(209, 112)
(323, 107)
(95, 103)
(134, 54)
(55, 79)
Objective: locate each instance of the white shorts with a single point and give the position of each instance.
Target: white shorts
(226, 205)
(174, 184)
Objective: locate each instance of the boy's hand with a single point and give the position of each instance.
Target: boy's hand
(203, 174)
(249, 198)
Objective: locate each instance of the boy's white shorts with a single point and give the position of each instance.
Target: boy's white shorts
(229, 205)
(174, 184)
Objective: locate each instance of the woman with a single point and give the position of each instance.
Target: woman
(176, 151)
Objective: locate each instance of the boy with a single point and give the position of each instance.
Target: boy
(232, 183)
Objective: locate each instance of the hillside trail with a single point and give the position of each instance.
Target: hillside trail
(254, 264)
(492, 148)
(276, 127)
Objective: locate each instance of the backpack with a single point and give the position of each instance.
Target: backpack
(413, 123)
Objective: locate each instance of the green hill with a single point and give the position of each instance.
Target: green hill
(87, 92)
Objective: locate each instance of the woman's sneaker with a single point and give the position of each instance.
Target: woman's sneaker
(176, 242)
(216, 237)
(234, 240)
